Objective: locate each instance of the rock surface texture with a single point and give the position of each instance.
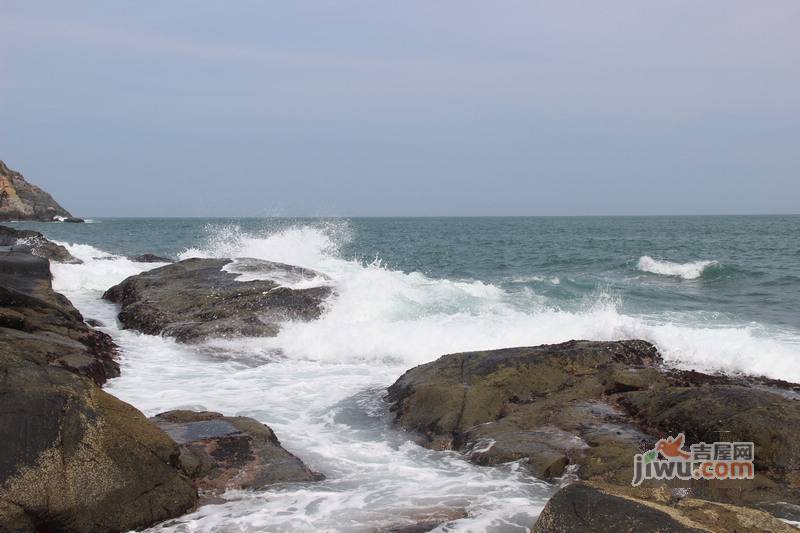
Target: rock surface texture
(36, 243)
(72, 457)
(587, 508)
(19, 200)
(43, 325)
(221, 452)
(585, 409)
(196, 299)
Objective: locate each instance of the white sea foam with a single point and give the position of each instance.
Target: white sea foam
(384, 315)
(321, 391)
(691, 270)
(555, 280)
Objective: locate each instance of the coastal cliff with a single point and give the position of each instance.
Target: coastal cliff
(20, 200)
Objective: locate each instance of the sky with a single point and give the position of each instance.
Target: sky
(412, 108)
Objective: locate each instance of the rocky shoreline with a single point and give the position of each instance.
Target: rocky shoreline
(583, 409)
(82, 460)
(575, 414)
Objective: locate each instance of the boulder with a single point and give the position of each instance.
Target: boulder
(20, 200)
(79, 459)
(586, 408)
(222, 452)
(73, 458)
(585, 507)
(37, 321)
(150, 258)
(37, 243)
(74, 220)
(196, 299)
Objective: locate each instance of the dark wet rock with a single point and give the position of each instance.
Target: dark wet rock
(222, 452)
(584, 507)
(37, 243)
(94, 323)
(74, 220)
(43, 324)
(74, 458)
(196, 299)
(20, 200)
(150, 258)
(586, 408)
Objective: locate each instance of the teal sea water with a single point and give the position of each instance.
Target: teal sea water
(752, 271)
(714, 293)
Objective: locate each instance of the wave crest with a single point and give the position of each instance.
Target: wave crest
(691, 270)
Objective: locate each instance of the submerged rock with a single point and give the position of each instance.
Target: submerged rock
(585, 507)
(20, 200)
(150, 258)
(196, 299)
(221, 452)
(586, 408)
(37, 243)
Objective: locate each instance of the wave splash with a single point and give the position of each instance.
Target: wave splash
(323, 393)
(386, 316)
(691, 270)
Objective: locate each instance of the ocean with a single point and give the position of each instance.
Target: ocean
(713, 293)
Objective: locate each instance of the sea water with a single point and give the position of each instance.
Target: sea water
(717, 294)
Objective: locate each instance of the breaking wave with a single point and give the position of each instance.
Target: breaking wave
(691, 270)
(389, 316)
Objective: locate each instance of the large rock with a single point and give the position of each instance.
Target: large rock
(586, 408)
(585, 508)
(37, 243)
(44, 325)
(20, 200)
(221, 452)
(196, 299)
(74, 458)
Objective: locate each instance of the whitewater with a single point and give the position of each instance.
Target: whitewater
(320, 384)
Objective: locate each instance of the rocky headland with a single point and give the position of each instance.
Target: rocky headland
(20, 200)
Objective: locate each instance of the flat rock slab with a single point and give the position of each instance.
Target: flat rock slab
(197, 299)
(220, 452)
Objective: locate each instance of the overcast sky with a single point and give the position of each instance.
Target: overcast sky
(189, 108)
